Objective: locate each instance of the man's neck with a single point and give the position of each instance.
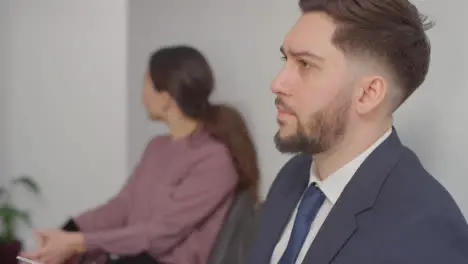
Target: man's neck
(352, 144)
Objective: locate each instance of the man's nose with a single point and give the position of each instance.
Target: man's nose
(279, 83)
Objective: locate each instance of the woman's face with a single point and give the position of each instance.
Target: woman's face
(156, 103)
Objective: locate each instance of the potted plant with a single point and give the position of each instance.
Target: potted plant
(10, 245)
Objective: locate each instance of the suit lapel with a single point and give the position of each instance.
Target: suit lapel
(278, 209)
(359, 195)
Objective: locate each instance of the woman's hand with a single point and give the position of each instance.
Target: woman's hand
(56, 246)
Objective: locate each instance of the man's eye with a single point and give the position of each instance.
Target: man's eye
(283, 58)
(304, 64)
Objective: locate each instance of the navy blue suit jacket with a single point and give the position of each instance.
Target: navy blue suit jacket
(392, 211)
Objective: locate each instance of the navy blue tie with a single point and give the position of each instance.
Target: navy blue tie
(311, 202)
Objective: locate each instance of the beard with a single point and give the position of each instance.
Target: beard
(322, 131)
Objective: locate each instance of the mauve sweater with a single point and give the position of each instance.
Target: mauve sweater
(172, 206)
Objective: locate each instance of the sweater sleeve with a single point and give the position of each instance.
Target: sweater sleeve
(195, 198)
(113, 214)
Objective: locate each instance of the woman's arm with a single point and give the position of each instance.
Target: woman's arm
(114, 213)
(196, 198)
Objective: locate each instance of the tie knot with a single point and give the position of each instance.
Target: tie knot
(312, 199)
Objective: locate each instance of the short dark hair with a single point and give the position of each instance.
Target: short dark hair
(392, 31)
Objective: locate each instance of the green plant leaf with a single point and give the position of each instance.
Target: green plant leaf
(28, 183)
(8, 214)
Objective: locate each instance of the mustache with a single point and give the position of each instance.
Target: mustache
(282, 104)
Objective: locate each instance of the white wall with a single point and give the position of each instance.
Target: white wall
(4, 17)
(67, 112)
(242, 39)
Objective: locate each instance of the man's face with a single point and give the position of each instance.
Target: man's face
(314, 89)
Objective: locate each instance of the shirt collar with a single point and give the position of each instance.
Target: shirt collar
(334, 184)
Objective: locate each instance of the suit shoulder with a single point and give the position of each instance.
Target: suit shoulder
(411, 172)
(411, 185)
(415, 206)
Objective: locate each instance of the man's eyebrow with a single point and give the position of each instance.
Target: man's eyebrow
(302, 54)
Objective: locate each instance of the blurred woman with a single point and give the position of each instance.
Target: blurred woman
(173, 206)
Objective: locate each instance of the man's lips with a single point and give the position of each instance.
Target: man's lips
(282, 113)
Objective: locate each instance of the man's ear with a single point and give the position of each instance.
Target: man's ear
(371, 93)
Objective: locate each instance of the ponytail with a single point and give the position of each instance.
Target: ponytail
(226, 124)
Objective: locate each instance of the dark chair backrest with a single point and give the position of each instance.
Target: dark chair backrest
(232, 243)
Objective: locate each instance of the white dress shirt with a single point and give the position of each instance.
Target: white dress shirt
(332, 187)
